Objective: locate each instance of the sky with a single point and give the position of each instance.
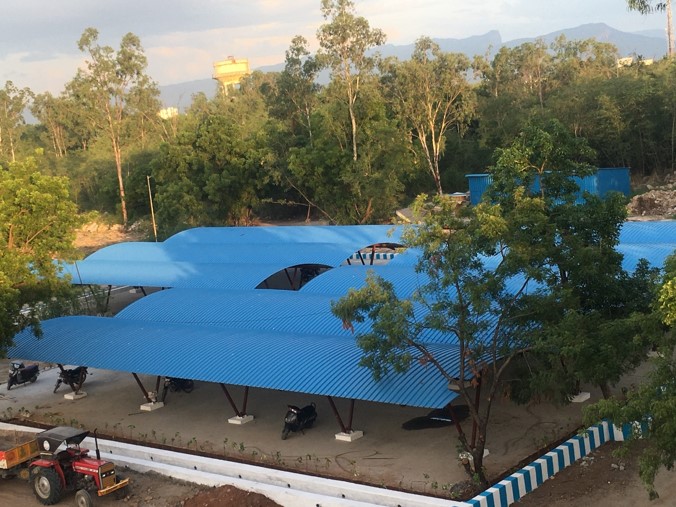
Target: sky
(183, 38)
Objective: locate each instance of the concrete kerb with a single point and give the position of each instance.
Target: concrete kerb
(285, 488)
(293, 489)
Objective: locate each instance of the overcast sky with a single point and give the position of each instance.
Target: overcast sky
(182, 38)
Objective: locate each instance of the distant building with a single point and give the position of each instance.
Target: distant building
(168, 112)
(629, 61)
(230, 71)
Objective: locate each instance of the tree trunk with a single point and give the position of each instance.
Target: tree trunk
(120, 181)
(670, 30)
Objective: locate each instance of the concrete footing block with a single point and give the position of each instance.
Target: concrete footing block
(349, 437)
(580, 397)
(241, 419)
(75, 396)
(149, 407)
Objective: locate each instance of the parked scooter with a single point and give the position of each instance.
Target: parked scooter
(177, 384)
(74, 377)
(20, 374)
(297, 419)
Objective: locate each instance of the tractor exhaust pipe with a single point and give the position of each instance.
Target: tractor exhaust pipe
(96, 443)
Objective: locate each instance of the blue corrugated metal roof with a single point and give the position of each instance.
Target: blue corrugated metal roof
(313, 364)
(658, 231)
(339, 280)
(275, 311)
(227, 257)
(362, 235)
(258, 338)
(172, 274)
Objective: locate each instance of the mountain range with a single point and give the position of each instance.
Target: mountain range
(646, 44)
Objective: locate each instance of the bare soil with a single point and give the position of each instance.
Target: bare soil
(602, 479)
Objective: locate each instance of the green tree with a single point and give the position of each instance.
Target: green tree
(113, 88)
(432, 96)
(344, 44)
(648, 6)
(650, 408)
(497, 278)
(37, 223)
(13, 103)
(214, 170)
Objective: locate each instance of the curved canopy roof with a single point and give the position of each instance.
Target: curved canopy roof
(219, 328)
(308, 363)
(225, 257)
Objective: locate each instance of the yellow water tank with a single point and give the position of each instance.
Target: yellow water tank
(230, 71)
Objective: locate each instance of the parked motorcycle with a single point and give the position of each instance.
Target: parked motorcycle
(74, 377)
(297, 419)
(20, 374)
(174, 384)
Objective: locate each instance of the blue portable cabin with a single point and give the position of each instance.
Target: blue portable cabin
(606, 179)
(613, 179)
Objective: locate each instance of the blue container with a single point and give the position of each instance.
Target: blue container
(478, 183)
(613, 179)
(605, 180)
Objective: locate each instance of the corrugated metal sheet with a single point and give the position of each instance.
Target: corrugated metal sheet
(259, 338)
(274, 311)
(228, 257)
(171, 274)
(613, 179)
(478, 184)
(643, 232)
(313, 364)
(655, 254)
(360, 235)
(340, 280)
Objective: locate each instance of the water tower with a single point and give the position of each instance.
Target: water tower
(230, 71)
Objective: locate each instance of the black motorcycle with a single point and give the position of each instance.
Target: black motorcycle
(174, 384)
(74, 377)
(20, 374)
(297, 419)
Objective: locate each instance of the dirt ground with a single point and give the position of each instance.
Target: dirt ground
(148, 489)
(603, 480)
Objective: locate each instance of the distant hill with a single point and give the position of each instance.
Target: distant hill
(647, 44)
(179, 95)
(627, 44)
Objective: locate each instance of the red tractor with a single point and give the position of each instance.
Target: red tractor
(64, 466)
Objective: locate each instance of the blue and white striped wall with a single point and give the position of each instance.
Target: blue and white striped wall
(523, 481)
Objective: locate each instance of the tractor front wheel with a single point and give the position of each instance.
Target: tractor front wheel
(121, 493)
(47, 486)
(83, 498)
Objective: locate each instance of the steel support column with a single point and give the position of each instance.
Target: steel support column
(238, 413)
(343, 427)
(140, 384)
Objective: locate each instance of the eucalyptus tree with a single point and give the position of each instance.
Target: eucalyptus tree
(648, 6)
(13, 103)
(431, 94)
(345, 42)
(296, 93)
(114, 87)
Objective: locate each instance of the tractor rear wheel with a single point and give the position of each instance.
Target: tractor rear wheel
(83, 498)
(47, 486)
